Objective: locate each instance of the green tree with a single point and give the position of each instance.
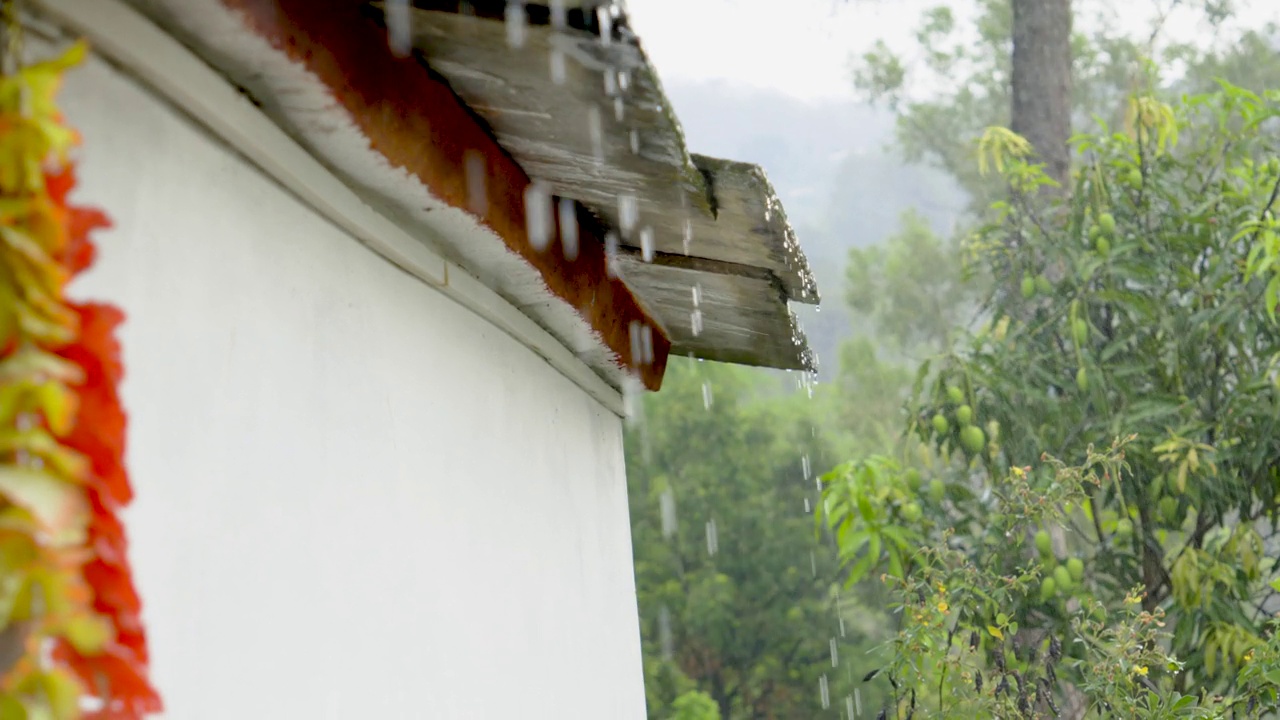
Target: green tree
(1158, 331)
(736, 600)
(968, 72)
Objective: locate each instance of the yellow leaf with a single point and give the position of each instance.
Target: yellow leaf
(88, 633)
(995, 632)
(60, 507)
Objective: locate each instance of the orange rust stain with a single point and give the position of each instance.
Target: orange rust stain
(415, 121)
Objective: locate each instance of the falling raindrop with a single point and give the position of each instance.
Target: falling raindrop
(610, 83)
(806, 505)
(619, 109)
(538, 220)
(813, 563)
(624, 80)
(605, 18)
(516, 20)
(664, 633)
(706, 395)
(696, 291)
(559, 72)
(857, 701)
(646, 344)
(713, 542)
(695, 322)
(399, 27)
(635, 142)
(835, 657)
(637, 342)
(840, 618)
(848, 706)
(569, 228)
(688, 233)
(611, 253)
(824, 693)
(646, 244)
(628, 213)
(667, 504)
(595, 128)
(477, 192)
(559, 15)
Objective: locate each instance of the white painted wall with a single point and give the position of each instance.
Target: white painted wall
(355, 498)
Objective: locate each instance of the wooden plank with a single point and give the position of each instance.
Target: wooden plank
(591, 120)
(741, 318)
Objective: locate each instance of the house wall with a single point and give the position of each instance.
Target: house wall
(355, 498)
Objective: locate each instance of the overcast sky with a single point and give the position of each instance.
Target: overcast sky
(802, 47)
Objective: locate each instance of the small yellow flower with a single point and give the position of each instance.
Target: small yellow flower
(1248, 656)
(943, 606)
(942, 588)
(1141, 670)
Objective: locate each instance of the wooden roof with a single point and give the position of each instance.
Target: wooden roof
(704, 243)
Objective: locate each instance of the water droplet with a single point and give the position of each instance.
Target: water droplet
(611, 253)
(635, 142)
(667, 505)
(664, 633)
(637, 350)
(559, 71)
(806, 505)
(399, 27)
(706, 395)
(605, 19)
(646, 244)
(559, 15)
(595, 129)
(610, 83)
(624, 80)
(628, 213)
(840, 618)
(713, 541)
(804, 466)
(477, 183)
(823, 692)
(835, 656)
(516, 20)
(569, 228)
(696, 291)
(538, 220)
(695, 322)
(619, 109)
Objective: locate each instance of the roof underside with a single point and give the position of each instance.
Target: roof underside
(704, 243)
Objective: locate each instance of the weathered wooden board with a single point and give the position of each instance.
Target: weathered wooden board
(578, 105)
(591, 120)
(736, 318)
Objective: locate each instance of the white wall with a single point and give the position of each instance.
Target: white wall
(355, 499)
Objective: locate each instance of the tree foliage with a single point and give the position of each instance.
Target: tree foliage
(735, 598)
(1133, 312)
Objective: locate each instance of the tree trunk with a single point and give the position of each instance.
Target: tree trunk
(1042, 81)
